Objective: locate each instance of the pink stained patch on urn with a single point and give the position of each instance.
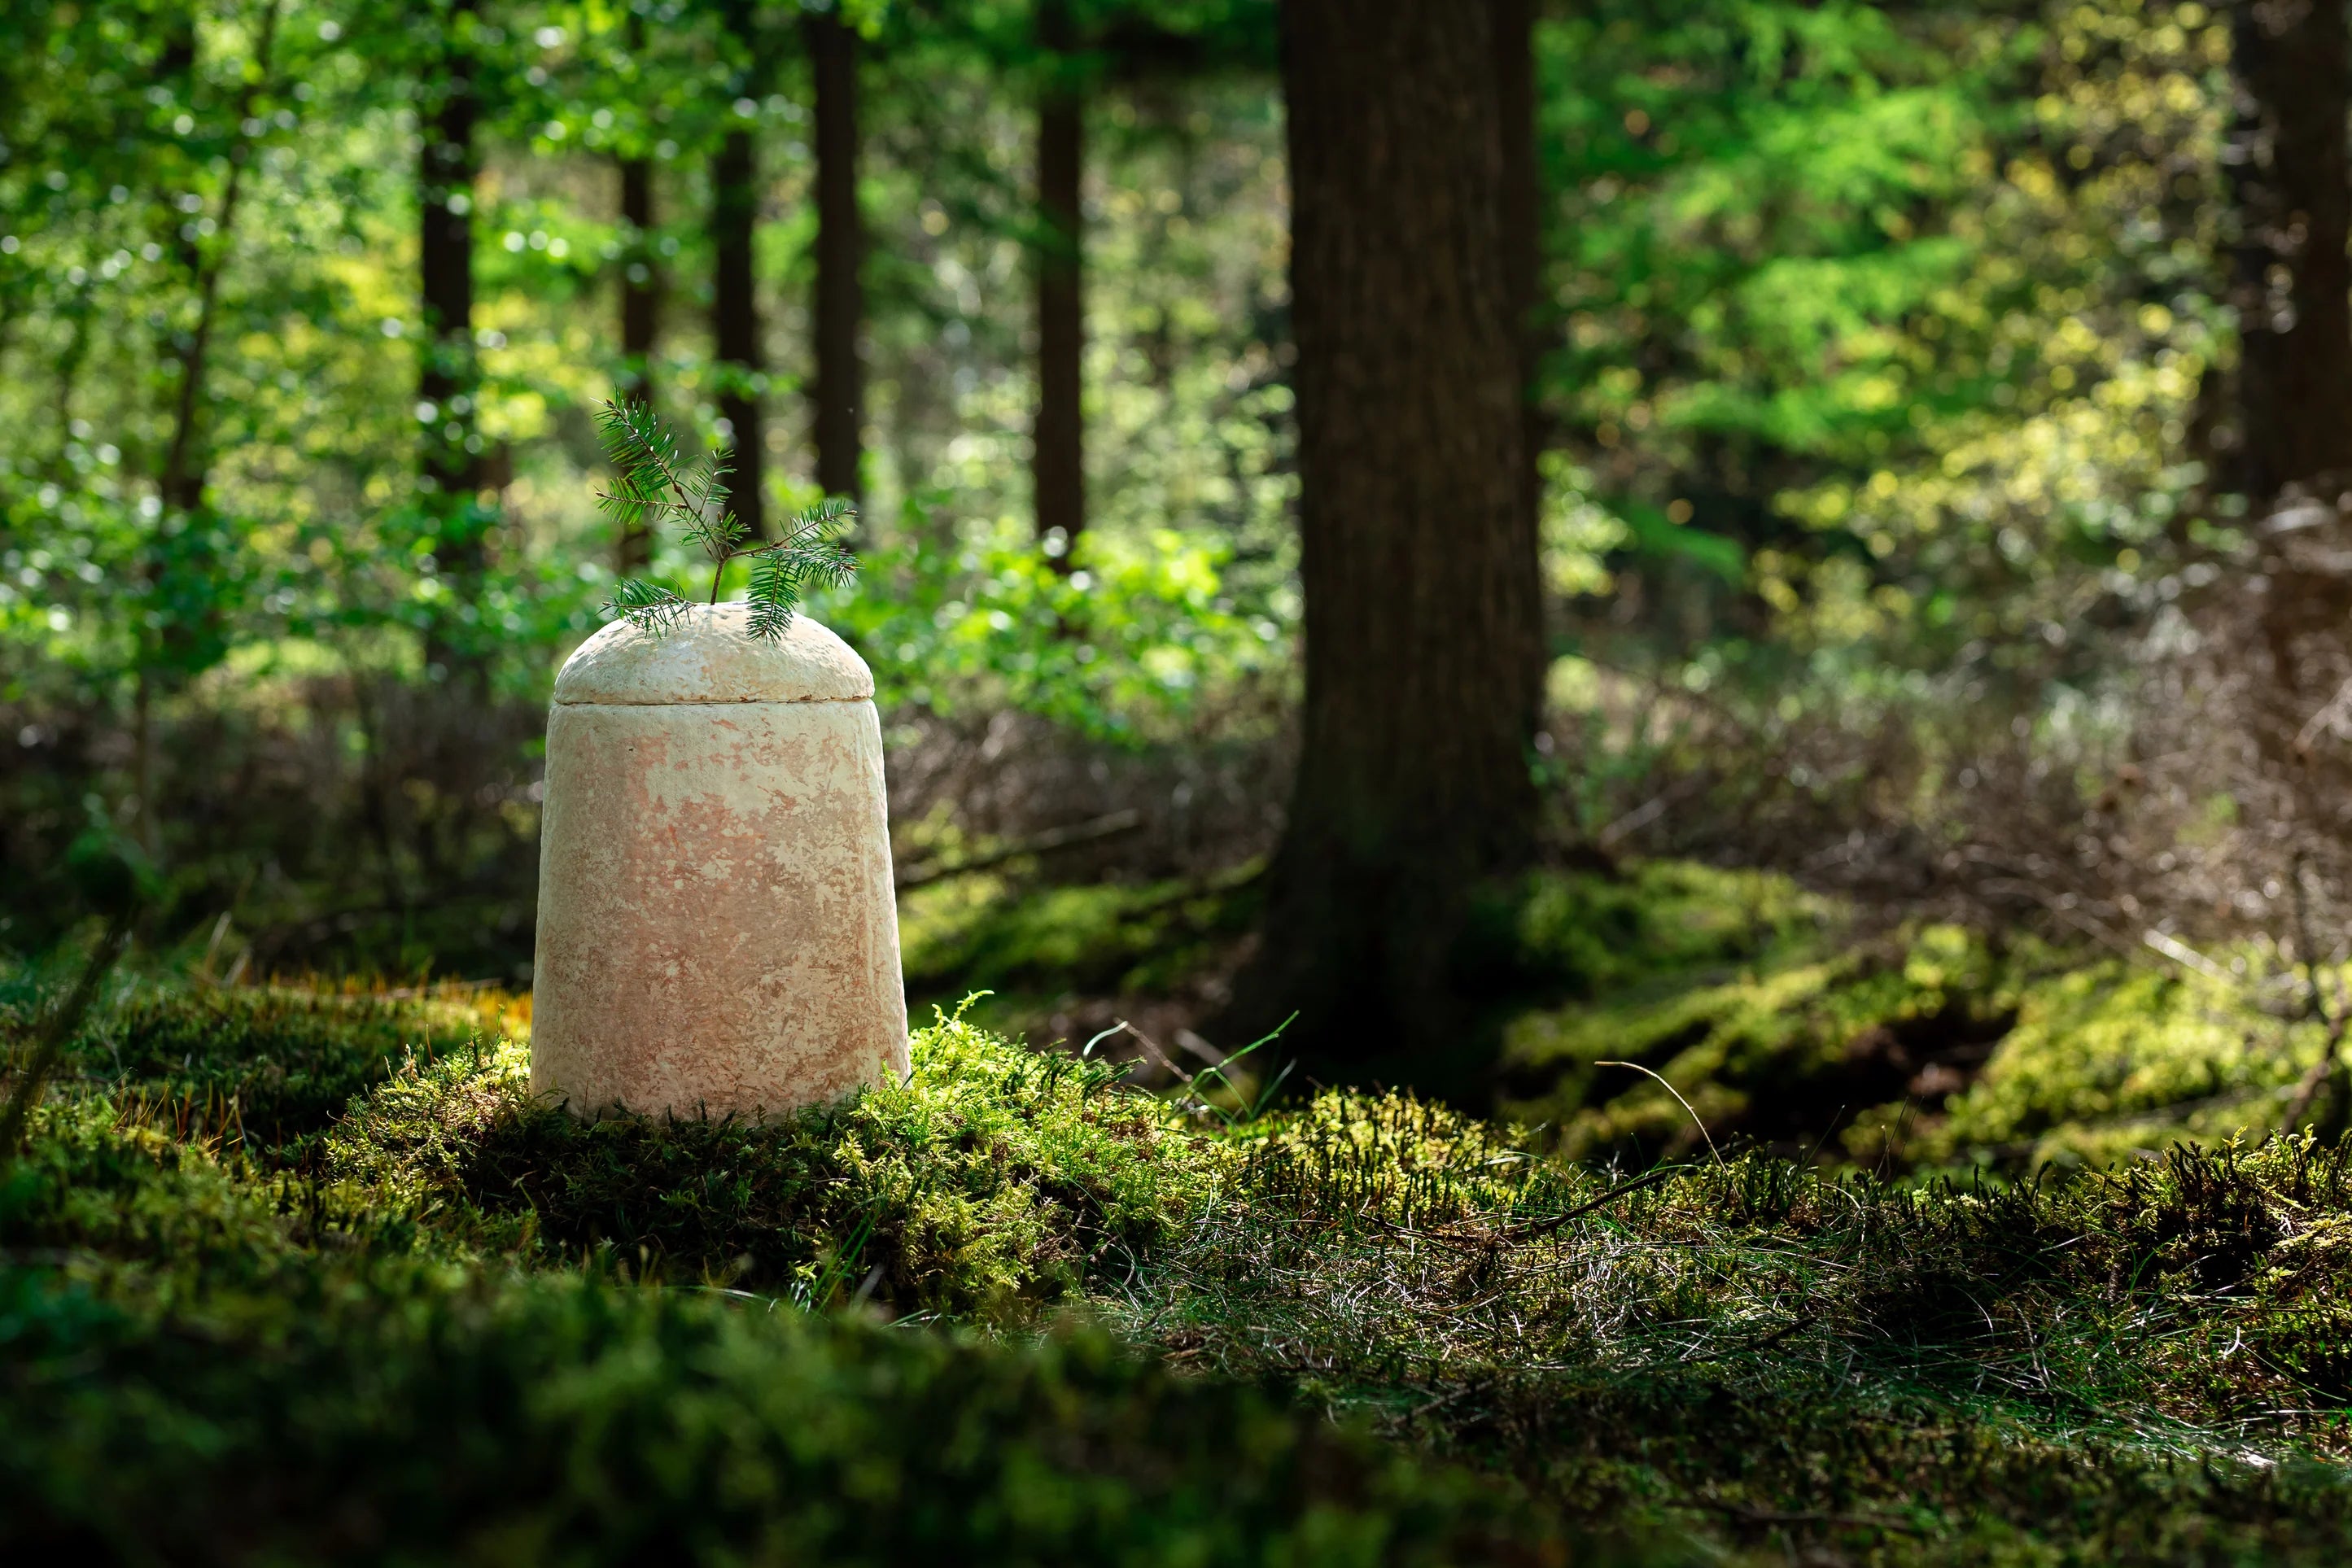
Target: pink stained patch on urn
(718, 931)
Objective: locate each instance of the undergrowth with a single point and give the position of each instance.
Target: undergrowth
(2146, 1366)
(444, 1321)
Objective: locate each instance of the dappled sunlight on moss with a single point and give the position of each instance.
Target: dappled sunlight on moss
(992, 1181)
(1771, 1052)
(2110, 1059)
(1925, 1045)
(983, 931)
(1660, 920)
(2132, 1366)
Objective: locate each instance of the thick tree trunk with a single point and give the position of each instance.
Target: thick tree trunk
(1515, 101)
(2291, 178)
(2293, 279)
(640, 319)
(735, 321)
(449, 378)
(1423, 637)
(840, 390)
(1058, 462)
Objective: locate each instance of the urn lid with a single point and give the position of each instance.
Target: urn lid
(712, 657)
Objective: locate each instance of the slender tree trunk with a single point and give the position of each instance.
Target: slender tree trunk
(1057, 463)
(735, 322)
(1422, 608)
(449, 380)
(840, 390)
(640, 318)
(187, 466)
(179, 645)
(2292, 61)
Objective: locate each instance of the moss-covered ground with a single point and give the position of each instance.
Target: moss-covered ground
(1782, 1020)
(293, 1276)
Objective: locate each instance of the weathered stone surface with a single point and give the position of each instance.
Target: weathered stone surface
(717, 930)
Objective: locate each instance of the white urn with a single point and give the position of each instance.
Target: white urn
(717, 930)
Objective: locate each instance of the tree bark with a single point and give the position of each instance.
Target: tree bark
(839, 394)
(449, 377)
(2293, 179)
(1422, 624)
(735, 323)
(640, 319)
(1514, 101)
(1058, 461)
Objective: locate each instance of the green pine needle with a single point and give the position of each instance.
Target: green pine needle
(653, 484)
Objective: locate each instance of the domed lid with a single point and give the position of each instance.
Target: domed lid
(711, 657)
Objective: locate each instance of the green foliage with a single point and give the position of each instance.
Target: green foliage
(991, 1181)
(655, 485)
(1151, 637)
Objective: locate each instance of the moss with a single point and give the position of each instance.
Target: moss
(983, 932)
(269, 1067)
(475, 1328)
(1922, 1048)
(2124, 1368)
(310, 1371)
(1776, 1052)
(390, 1413)
(1668, 921)
(992, 1181)
(2109, 1059)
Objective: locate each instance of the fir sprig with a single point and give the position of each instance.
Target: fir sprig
(654, 484)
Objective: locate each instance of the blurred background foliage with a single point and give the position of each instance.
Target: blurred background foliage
(1879, 396)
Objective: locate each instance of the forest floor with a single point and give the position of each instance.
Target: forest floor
(1964, 1268)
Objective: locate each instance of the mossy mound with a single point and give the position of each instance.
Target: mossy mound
(1779, 1052)
(2110, 1061)
(1771, 1021)
(267, 1068)
(198, 1368)
(992, 1181)
(1592, 935)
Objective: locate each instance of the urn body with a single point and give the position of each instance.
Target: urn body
(717, 931)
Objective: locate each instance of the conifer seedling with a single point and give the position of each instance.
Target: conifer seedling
(655, 484)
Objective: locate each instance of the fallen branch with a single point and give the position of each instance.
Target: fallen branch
(1545, 1227)
(49, 1043)
(1108, 827)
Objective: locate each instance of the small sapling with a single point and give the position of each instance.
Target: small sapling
(654, 483)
